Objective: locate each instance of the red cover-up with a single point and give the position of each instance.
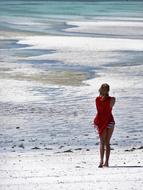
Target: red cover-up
(104, 114)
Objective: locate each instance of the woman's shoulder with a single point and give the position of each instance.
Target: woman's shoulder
(97, 97)
(112, 98)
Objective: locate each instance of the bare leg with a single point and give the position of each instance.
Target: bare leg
(108, 137)
(102, 143)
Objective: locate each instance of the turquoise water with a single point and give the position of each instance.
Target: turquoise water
(47, 94)
(21, 15)
(74, 8)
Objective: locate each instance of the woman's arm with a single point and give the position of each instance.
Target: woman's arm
(112, 101)
(96, 103)
(93, 121)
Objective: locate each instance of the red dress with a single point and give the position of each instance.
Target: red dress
(104, 114)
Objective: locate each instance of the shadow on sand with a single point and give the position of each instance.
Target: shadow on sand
(125, 166)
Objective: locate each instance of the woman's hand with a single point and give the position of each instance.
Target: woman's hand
(92, 123)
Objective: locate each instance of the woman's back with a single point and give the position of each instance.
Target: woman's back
(104, 113)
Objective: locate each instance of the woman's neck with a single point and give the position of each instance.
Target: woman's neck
(103, 97)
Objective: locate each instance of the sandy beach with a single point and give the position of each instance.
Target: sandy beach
(40, 170)
(54, 55)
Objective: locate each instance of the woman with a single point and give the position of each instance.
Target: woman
(104, 121)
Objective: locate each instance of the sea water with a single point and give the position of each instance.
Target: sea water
(54, 55)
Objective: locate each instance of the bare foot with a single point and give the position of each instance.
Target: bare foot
(106, 164)
(100, 165)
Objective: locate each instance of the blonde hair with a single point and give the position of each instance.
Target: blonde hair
(104, 85)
